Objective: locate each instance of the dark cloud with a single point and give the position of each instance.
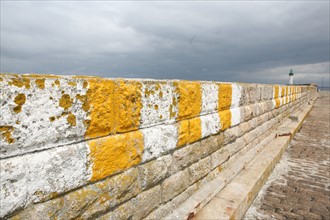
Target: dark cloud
(222, 41)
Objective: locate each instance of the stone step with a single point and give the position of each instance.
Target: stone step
(235, 198)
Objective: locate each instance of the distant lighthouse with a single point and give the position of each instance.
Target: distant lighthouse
(291, 77)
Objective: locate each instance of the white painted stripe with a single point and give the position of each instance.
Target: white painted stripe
(279, 91)
(157, 103)
(235, 102)
(24, 179)
(210, 124)
(236, 95)
(159, 140)
(235, 116)
(209, 97)
(274, 103)
(32, 126)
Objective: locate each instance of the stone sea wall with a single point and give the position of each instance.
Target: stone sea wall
(86, 147)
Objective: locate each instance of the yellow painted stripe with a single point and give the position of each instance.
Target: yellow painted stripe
(278, 102)
(276, 96)
(276, 92)
(127, 105)
(190, 99)
(189, 106)
(225, 119)
(195, 129)
(113, 106)
(183, 133)
(190, 131)
(224, 99)
(225, 96)
(287, 94)
(115, 153)
(99, 102)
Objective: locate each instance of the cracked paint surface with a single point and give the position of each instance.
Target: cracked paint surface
(43, 175)
(159, 101)
(26, 106)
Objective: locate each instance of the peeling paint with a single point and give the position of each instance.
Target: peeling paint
(20, 100)
(36, 177)
(40, 83)
(71, 119)
(6, 133)
(158, 103)
(159, 140)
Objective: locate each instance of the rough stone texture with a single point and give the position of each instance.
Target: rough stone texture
(165, 209)
(199, 169)
(90, 133)
(145, 202)
(159, 100)
(53, 100)
(209, 97)
(88, 201)
(159, 140)
(299, 186)
(210, 124)
(154, 171)
(124, 211)
(186, 156)
(175, 184)
(36, 177)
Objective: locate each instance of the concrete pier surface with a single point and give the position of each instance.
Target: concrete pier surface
(299, 187)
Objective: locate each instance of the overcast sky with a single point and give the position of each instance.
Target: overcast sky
(240, 41)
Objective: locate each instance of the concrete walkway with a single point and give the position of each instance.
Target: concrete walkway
(299, 187)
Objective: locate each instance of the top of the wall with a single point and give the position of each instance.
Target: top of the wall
(45, 111)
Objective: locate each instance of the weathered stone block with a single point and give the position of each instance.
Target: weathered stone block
(230, 134)
(167, 208)
(42, 175)
(200, 169)
(115, 153)
(210, 124)
(125, 211)
(190, 99)
(245, 127)
(90, 200)
(246, 113)
(159, 140)
(236, 146)
(186, 156)
(159, 101)
(145, 202)
(219, 157)
(154, 171)
(210, 145)
(209, 97)
(127, 105)
(174, 185)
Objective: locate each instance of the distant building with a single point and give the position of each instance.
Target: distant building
(291, 77)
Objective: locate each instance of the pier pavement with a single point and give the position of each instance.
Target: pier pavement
(299, 187)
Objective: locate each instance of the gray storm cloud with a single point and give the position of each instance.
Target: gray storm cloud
(222, 41)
